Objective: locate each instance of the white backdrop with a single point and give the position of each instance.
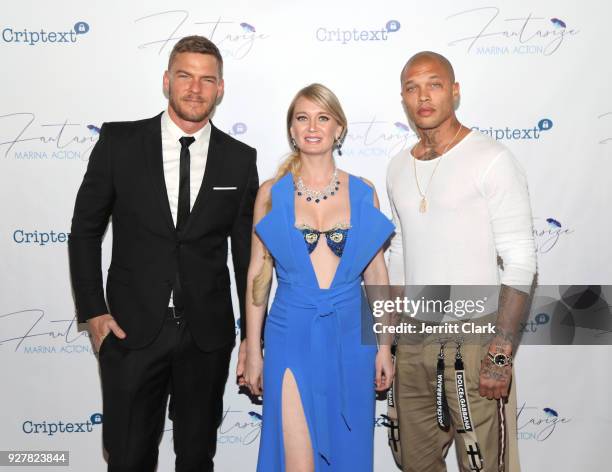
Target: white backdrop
(534, 74)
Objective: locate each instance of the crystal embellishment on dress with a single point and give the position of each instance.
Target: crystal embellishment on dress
(335, 237)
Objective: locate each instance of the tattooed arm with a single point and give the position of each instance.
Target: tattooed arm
(504, 186)
(512, 311)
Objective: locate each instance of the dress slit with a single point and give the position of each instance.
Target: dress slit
(290, 382)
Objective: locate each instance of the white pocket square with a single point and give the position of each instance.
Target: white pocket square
(225, 188)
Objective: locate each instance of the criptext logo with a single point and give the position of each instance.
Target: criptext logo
(53, 427)
(237, 129)
(18, 35)
(513, 134)
(40, 238)
(357, 35)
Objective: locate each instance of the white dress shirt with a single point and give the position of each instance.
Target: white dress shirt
(171, 155)
(171, 152)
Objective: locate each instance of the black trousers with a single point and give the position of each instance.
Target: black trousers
(136, 385)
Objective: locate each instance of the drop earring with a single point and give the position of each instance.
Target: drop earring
(338, 146)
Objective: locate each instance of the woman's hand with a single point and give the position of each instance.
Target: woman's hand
(384, 369)
(253, 375)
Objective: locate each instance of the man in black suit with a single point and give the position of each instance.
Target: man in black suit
(176, 187)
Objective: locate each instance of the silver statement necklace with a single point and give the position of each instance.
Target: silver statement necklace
(318, 195)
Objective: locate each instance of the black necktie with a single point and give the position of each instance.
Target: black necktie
(182, 214)
(184, 203)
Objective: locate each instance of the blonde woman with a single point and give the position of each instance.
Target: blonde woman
(322, 230)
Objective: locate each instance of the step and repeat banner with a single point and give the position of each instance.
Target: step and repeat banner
(533, 75)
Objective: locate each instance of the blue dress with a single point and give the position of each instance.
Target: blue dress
(317, 335)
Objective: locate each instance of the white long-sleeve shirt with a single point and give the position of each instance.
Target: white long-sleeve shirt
(477, 209)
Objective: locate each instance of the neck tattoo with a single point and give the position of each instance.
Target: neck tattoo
(429, 143)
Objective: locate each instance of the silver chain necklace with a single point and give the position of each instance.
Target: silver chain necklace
(318, 195)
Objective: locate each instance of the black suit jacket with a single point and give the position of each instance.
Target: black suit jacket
(125, 180)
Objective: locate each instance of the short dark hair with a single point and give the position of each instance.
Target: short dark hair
(198, 44)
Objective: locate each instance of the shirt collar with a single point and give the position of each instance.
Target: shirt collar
(175, 133)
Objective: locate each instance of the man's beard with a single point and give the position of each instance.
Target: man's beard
(187, 115)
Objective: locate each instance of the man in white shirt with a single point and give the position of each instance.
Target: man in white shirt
(459, 201)
(177, 188)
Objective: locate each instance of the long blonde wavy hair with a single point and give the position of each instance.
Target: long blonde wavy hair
(326, 99)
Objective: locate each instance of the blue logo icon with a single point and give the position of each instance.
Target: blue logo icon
(550, 412)
(558, 23)
(247, 28)
(402, 126)
(542, 318)
(94, 129)
(545, 124)
(96, 418)
(81, 27)
(392, 26)
(239, 128)
(553, 223)
(255, 415)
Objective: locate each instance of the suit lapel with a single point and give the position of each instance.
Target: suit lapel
(214, 167)
(152, 145)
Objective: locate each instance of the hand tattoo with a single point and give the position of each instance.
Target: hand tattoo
(495, 372)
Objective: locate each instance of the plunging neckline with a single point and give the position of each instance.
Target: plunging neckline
(304, 249)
